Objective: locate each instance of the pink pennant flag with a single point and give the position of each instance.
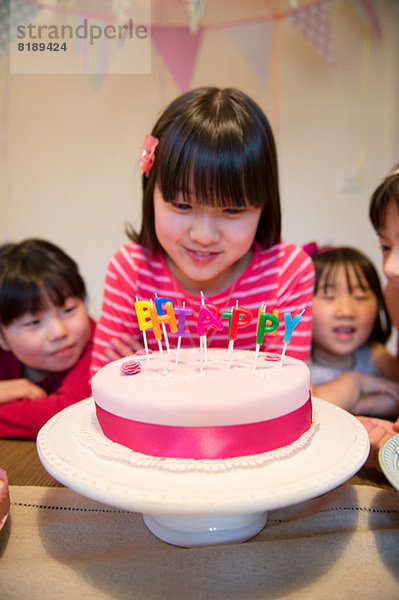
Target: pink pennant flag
(179, 50)
(314, 24)
(253, 41)
(368, 11)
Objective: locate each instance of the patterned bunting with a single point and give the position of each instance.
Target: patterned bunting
(368, 10)
(194, 10)
(23, 14)
(314, 24)
(179, 45)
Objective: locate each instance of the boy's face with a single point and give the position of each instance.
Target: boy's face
(388, 236)
(51, 340)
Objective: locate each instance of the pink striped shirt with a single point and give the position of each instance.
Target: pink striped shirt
(281, 276)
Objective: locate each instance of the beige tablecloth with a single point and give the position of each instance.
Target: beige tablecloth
(59, 544)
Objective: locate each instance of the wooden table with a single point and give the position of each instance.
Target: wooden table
(19, 458)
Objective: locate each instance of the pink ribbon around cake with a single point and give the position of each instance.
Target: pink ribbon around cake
(219, 442)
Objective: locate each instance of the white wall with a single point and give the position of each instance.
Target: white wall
(70, 154)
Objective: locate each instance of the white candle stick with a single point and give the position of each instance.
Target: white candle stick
(286, 344)
(283, 354)
(231, 346)
(256, 356)
(204, 338)
(161, 351)
(231, 342)
(178, 343)
(165, 335)
(258, 345)
(162, 357)
(147, 354)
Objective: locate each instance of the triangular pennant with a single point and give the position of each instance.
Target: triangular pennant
(194, 10)
(179, 49)
(314, 24)
(368, 10)
(22, 13)
(253, 41)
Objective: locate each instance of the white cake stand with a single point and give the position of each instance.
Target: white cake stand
(197, 508)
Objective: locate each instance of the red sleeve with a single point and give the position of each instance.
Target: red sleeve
(24, 418)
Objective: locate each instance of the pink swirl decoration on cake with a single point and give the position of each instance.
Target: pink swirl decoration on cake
(143, 352)
(131, 367)
(272, 357)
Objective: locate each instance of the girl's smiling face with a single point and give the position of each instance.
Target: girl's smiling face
(207, 248)
(344, 312)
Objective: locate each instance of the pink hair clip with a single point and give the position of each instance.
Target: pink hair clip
(311, 249)
(148, 154)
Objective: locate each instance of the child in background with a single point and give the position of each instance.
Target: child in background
(45, 336)
(350, 365)
(384, 215)
(211, 224)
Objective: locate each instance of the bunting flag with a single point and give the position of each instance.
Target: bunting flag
(253, 41)
(313, 22)
(121, 10)
(25, 13)
(194, 10)
(179, 46)
(179, 50)
(95, 59)
(368, 10)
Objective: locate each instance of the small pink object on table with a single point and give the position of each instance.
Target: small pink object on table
(4, 497)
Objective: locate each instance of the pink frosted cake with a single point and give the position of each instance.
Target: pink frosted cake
(201, 409)
(4, 497)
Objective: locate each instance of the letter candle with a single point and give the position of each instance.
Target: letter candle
(180, 328)
(258, 345)
(267, 323)
(157, 320)
(290, 325)
(239, 317)
(203, 339)
(228, 314)
(142, 308)
(150, 316)
(208, 316)
(158, 306)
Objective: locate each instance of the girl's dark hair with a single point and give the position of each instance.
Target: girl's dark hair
(32, 270)
(326, 264)
(386, 192)
(218, 146)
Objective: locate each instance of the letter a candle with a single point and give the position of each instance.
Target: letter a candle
(267, 323)
(239, 317)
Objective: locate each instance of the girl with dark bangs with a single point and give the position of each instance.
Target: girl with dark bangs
(45, 336)
(210, 224)
(350, 365)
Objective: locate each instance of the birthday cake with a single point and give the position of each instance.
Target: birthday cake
(4, 497)
(203, 407)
